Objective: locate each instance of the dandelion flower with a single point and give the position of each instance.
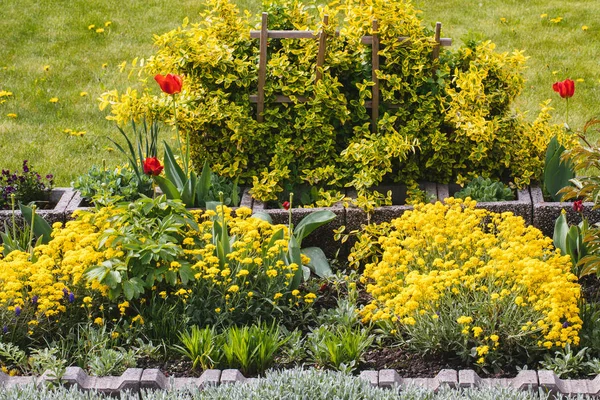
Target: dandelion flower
(11, 115)
(104, 65)
(92, 26)
(107, 23)
(46, 68)
(83, 94)
(503, 20)
(556, 20)
(544, 16)
(579, 80)
(100, 30)
(4, 93)
(53, 100)
(584, 28)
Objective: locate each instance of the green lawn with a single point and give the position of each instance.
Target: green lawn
(49, 52)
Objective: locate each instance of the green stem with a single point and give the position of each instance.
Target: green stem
(31, 234)
(290, 224)
(12, 206)
(186, 154)
(567, 118)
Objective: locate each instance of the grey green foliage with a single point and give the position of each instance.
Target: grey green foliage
(104, 186)
(290, 385)
(485, 189)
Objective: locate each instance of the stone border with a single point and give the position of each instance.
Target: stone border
(136, 379)
(60, 196)
(545, 213)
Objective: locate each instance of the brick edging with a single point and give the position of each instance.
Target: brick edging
(136, 379)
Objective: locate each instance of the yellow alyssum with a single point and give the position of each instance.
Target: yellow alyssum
(439, 252)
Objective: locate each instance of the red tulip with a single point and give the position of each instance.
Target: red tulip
(152, 166)
(169, 84)
(578, 206)
(565, 88)
(286, 205)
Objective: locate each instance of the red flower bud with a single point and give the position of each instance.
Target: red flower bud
(152, 166)
(565, 88)
(286, 205)
(169, 84)
(578, 206)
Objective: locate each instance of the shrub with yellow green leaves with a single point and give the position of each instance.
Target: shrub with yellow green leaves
(120, 262)
(450, 278)
(442, 119)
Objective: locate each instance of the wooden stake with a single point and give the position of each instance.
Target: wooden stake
(436, 50)
(321, 53)
(375, 65)
(262, 68)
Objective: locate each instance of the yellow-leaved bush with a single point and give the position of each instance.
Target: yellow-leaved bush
(250, 281)
(443, 119)
(452, 278)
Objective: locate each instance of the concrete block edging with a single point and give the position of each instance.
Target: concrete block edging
(137, 379)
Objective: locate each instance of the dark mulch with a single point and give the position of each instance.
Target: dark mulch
(412, 365)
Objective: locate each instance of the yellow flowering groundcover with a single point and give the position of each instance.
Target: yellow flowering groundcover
(60, 281)
(454, 278)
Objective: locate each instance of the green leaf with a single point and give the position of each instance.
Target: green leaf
(186, 274)
(312, 222)
(203, 185)
(173, 171)
(318, 264)
(128, 290)
(561, 229)
(41, 228)
(557, 174)
(294, 257)
(167, 188)
(212, 205)
(188, 196)
(264, 216)
(98, 272)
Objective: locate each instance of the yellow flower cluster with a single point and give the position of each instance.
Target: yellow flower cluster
(39, 287)
(442, 258)
(254, 268)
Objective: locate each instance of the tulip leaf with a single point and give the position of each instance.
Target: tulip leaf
(41, 228)
(561, 229)
(264, 216)
(557, 173)
(312, 222)
(167, 187)
(203, 185)
(173, 171)
(318, 264)
(295, 258)
(188, 195)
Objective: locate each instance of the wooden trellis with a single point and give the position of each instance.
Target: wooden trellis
(264, 33)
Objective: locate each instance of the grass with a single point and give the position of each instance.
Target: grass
(556, 50)
(49, 52)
